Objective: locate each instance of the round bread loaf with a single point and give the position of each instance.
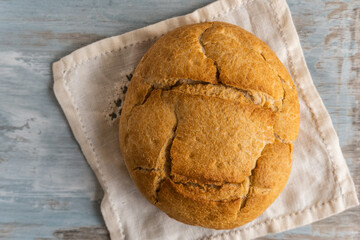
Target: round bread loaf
(207, 126)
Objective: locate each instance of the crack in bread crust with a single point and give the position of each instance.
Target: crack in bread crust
(213, 193)
(251, 178)
(146, 97)
(208, 185)
(211, 90)
(277, 137)
(262, 55)
(146, 169)
(218, 69)
(217, 74)
(166, 170)
(245, 198)
(180, 84)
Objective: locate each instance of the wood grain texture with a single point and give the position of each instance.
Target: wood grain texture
(89, 233)
(47, 190)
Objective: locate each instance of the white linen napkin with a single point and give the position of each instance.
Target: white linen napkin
(90, 85)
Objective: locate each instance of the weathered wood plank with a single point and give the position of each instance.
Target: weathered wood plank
(48, 191)
(88, 233)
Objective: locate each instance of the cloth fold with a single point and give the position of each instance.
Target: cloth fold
(90, 85)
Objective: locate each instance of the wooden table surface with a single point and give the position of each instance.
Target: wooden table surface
(48, 191)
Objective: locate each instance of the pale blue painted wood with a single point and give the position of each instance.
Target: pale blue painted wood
(45, 182)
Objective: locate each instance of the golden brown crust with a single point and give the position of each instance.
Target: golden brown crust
(269, 179)
(213, 134)
(177, 55)
(207, 125)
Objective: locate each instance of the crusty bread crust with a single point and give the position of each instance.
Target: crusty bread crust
(207, 126)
